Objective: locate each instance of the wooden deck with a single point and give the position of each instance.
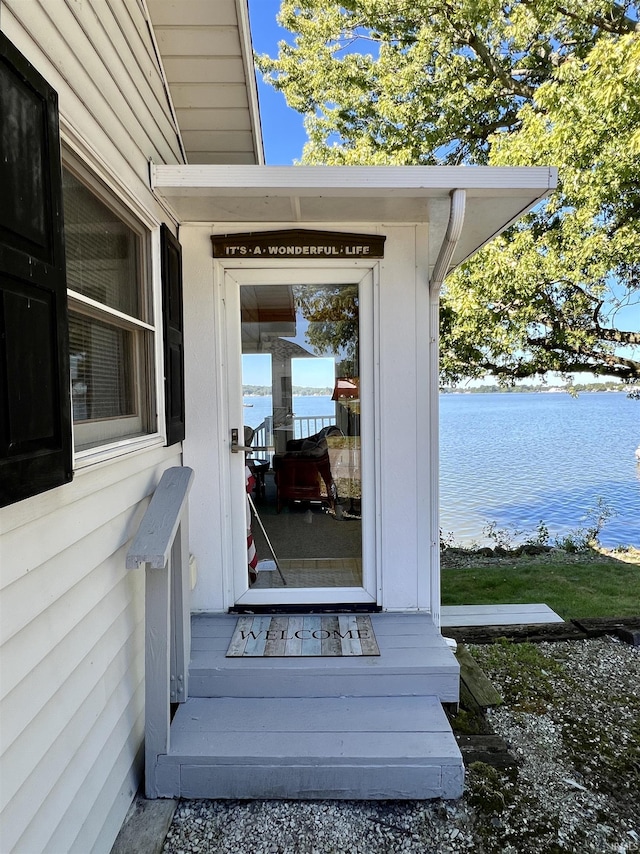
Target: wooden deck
(414, 659)
(497, 615)
(358, 727)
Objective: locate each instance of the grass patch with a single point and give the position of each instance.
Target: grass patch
(587, 584)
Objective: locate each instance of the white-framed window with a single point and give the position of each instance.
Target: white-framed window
(111, 333)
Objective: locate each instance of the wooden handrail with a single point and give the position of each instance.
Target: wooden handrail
(152, 544)
(162, 545)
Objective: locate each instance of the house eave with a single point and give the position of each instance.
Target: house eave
(206, 54)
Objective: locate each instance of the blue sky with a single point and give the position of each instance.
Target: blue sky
(314, 372)
(282, 128)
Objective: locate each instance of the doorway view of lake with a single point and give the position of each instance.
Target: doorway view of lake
(520, 458)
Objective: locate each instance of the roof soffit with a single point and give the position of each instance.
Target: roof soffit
(206, 53)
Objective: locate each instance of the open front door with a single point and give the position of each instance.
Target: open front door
(300, 385)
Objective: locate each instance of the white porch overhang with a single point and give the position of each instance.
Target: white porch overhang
(375, 196)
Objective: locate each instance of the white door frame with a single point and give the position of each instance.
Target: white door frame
(231, 276)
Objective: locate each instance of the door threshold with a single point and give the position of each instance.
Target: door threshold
(323, 608)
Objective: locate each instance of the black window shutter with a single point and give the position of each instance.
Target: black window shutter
(173, 335)
(35, 404)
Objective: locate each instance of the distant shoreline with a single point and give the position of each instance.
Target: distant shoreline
(581, 388)
(298, 391)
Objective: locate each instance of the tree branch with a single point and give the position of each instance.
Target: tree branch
(608, 364)
(626, 25)
(605, 333)
(485, 55)
(620, 24)
(618, 336)
(525, 370)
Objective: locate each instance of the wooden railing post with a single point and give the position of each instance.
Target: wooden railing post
(157, 717)
(162, 544)
(180, 613)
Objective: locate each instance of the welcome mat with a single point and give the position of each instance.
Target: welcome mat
(303, 635)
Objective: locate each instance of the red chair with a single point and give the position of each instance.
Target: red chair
(303, 473)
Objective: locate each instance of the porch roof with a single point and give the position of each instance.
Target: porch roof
(363, 195)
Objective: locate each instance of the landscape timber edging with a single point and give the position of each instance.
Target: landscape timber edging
(627, 629)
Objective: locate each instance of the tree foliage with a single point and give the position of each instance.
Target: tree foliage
(332, 315)
(499, 82)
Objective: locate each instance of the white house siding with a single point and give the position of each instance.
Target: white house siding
(404, 416)
(73, 657)
(98, 56)
(72, 623)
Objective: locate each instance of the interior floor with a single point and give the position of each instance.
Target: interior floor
(311, 573)
(315, 545)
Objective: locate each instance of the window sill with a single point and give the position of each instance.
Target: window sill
(114, 450)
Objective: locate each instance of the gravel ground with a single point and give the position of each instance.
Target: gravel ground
(571, 715)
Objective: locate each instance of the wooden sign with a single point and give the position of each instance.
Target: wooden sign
(298, 243)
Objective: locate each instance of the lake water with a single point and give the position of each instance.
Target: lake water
(517, 459)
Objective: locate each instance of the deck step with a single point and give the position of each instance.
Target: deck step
(414, 660)
(453, 616)
(391, 747)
